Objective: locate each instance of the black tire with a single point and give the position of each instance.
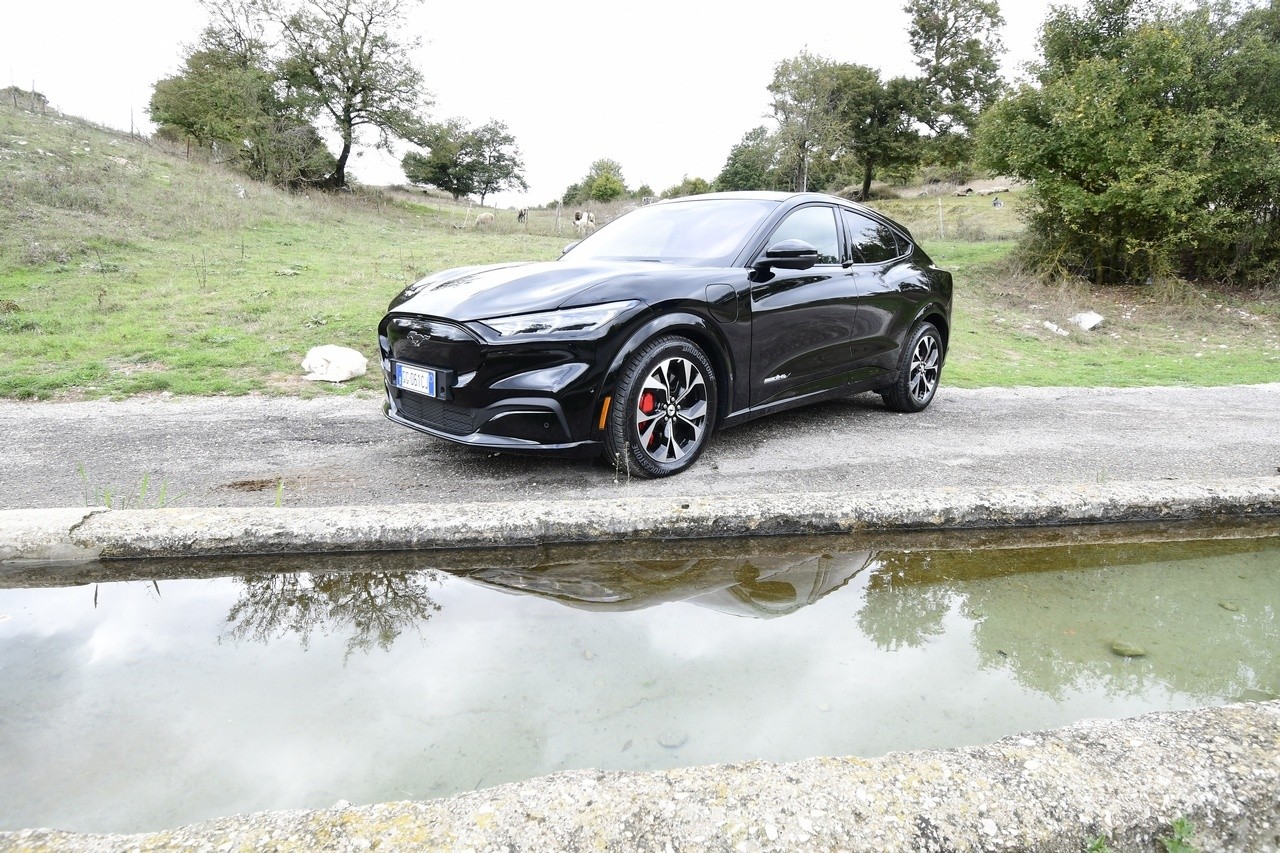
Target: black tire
(919, 371)
(663, 410)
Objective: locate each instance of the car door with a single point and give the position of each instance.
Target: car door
(802, 320)
(884, 287)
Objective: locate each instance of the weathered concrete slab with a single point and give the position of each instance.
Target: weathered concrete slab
(25, 535)
(1125, 782)
(44, 535)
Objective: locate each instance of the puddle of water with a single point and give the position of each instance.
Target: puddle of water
(137, 698)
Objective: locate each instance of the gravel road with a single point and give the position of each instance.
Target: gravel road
(210, 452)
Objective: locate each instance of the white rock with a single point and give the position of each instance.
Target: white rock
(1087, 320)
(331, 363)
(1056, 329)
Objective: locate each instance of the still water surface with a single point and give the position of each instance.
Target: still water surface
(205, 688)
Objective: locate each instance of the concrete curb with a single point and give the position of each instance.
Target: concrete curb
(85, 535)
(1125, 782)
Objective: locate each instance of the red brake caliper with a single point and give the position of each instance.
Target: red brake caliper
(649, 405)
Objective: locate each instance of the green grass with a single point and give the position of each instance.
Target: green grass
(999, 337)
(126, 268)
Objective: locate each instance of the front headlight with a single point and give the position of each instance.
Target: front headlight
(566, 320)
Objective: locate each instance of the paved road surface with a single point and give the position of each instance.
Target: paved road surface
(341, 451)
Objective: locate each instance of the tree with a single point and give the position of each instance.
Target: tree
(498, 164)
(225, 96)
(450, 164)
(802, 91)
(464, 161)
(603, 183)
(606, 188)
(342, 58)
(876, 119)
(750, 164)
(957, 46)
(1150, 146)
(687, 186)
(1071, 36)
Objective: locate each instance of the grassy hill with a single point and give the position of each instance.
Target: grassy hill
(127, 267)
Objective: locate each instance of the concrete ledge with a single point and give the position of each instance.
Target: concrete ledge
(1123, 781)
(45, 535)
(27, 535)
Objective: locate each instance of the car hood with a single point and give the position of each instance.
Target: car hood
(496, 290)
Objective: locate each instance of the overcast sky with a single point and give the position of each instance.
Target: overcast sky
(665, 88)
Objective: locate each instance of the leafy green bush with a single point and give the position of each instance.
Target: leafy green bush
(1151, 144)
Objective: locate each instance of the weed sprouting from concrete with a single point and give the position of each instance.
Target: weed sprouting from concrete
(145, 496)
(1181, 839)
(621, 462)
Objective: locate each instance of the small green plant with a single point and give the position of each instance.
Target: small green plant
(622, 462)
(1098, 845)
(143, 497)
(279, 492)
(1180, 840)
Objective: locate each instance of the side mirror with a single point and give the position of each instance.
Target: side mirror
(566, 249)
(788, 255)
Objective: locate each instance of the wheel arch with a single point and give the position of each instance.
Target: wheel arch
(689, 325)
(935, 314)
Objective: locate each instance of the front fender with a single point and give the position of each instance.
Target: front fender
(698, 329)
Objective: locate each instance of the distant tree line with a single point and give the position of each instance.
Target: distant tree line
(1148, 138)
(838, 125)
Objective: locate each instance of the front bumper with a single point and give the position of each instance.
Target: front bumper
(484, 428)
(526, 397)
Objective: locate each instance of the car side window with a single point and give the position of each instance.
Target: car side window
(870, 242)
(816, 225)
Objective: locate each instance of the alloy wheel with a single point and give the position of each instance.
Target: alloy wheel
(923, 376)
(671, 410)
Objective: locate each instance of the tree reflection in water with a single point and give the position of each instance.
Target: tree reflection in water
(375, 607)
(1204, 611)
(900, 611)
(1049, 616)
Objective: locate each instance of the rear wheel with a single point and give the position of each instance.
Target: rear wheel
(664, 408)
(919, 371)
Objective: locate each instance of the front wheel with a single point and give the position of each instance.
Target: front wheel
(918, 371)
(663, 410)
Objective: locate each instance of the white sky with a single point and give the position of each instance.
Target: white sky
(665, 88)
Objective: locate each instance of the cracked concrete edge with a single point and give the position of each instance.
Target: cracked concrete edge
(1122, 781)
(84, 535)
(46, 535)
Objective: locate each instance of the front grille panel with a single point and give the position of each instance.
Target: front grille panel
(435, 414)
(435, 343)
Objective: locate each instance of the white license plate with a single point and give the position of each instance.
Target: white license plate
(415, 379)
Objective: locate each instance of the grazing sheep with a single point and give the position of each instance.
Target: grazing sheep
(584, 221)
(484, 220)
(964, 192)
(996, 202)
(522, 214)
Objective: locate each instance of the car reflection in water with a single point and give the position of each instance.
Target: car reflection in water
(1205, 609)
(756, 587)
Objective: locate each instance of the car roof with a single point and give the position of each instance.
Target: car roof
(772, 195)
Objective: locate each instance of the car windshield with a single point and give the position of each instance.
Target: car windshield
(699, 232)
